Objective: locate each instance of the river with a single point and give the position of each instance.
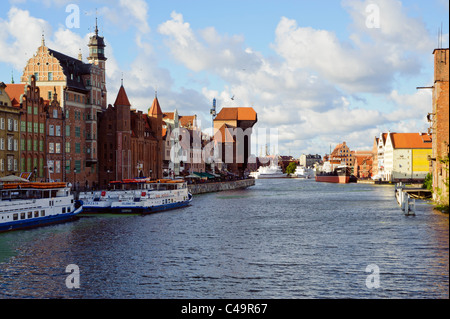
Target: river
(281, 239)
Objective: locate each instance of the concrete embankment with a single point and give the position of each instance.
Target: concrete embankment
(195, 189)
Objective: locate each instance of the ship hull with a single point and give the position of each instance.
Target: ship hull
(333, 179)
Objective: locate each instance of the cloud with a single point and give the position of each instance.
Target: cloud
(20, 35)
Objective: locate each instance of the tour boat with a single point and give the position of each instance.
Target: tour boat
(139, 196)
(271, 171)
(28, 204)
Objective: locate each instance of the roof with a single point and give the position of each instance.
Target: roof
(14, 92)
(184, 120)
(122, 98)
(72, 66)
(411, 140)
(237, 113)
(155, 109)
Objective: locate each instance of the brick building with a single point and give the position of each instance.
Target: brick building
(130, 142)
(33, 116)
(81, 91)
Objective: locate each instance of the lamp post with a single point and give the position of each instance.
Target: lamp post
(74, 177)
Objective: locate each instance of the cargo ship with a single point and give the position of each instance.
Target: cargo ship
(333, 174)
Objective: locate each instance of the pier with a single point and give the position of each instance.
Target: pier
(406, 197)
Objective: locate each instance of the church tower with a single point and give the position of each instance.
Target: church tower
(97, 57)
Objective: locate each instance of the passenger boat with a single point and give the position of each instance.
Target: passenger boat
(137, 196)
(333, 174)
(271, 171)
(27, 204)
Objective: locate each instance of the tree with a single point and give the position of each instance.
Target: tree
(290, 169)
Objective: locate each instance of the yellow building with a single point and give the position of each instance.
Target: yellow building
(9, 135)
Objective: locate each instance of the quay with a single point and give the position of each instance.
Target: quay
(211, 187)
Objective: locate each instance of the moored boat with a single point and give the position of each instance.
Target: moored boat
(26, 205)
(271, 171)
(304, 172)
(333, 174)
(137, 196)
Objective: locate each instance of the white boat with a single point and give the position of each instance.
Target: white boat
(304, 172)
(137, 196)
(27, 205)
(271, 171)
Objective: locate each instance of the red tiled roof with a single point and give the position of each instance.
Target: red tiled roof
(14, 92)
(155, 109)
(237, 113)
(411, 140)
(122, 98)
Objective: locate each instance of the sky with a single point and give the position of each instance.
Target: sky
(317, 72)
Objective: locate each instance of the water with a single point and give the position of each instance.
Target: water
(281, 239)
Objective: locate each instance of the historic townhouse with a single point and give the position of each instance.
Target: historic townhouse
(33, 115)
(9, 135)
(404, 156)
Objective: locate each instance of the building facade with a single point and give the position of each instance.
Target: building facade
(81, 91)
(232, 137)
(130, 142)
(9, 135)
(405, 157)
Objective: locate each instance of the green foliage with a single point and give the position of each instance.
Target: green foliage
(290, 169)
(428, 182)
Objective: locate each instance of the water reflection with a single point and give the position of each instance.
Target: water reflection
(279, 239)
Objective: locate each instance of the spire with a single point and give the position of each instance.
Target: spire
(43, 39)
(122, 98)
(80, 56)
(155, 109)
(12, 77)
(96, 28)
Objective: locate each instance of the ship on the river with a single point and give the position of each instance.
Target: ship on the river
(333, 173)
(30, 204)
(137, 196)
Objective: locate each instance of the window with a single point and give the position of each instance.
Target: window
(41, 128)
(57, 148)
(67, 147)
(23, 126)
(51, 130)
(77, 131)
(35, 126)
(10, 124)
(2, 164)
(50, 76)
(16, 126)
(51, 148)
(2, 144)
(36, 75)
(58, 130)
(68, 130)
(2, 123)
(77, 148)
(10, 143)
(57, 166)
(55, 113)
(50, 95)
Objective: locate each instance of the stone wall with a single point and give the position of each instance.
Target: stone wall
(220, 186)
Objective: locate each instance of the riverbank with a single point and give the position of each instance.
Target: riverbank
(195, 189)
